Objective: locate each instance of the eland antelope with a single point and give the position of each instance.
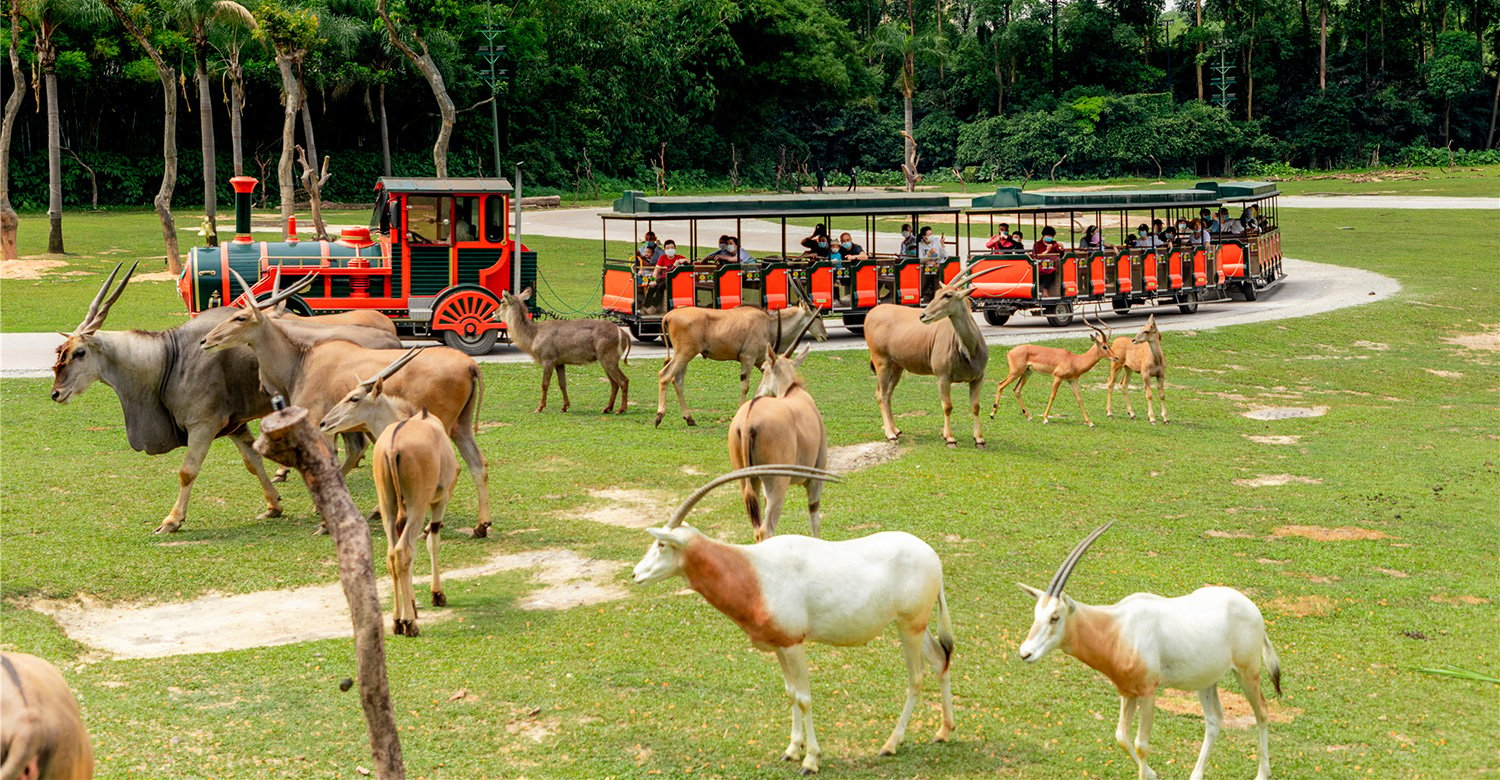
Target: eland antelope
(42, 736)
(1145, 642)
(790, 590)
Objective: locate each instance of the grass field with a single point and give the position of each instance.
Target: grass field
(658, 683)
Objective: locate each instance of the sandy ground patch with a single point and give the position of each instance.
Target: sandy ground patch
(1444, 598)
(1444, 374)
(1274, 439)
(159, 276)
(629, 508)
(1286, 412)
(217, 622)
(1320, 534)
(1372, 345)
(1217, 534)
(29, 267)
(1397, 573)
(1488, 341)
(1272, 480)
(1299, 606)
(1237, 712)
(854, 457)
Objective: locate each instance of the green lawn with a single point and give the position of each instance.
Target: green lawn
(659, 683)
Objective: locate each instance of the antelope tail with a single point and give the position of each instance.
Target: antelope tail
(666, 341)
(944, 630)
(625, 356)
(747, 439)
(1272, 663)
(476, 396)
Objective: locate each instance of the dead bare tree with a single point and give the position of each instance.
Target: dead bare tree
(1052, 174)
(93, 178)
(734, 168)
(9, 222)
(313, 180)
(661, 171)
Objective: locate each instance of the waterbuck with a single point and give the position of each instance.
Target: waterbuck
(173, 394)
(941, 340)
(781, 424)
(1064, 366)
(1145, 642)
(1140, 355)
(742, 334)
(557, 344)
(790, 590)
(42, 736)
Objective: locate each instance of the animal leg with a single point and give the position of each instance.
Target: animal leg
(253, 463)
(1109, 393)
(1020, 384)
(885, 389)
(1125, 389)
(1085, 412)
(468, 449)
(1161, 396)
(775, 497)
(432, 532)
(1150, 415)
(562, 384)
(617, 380)
(1047, 413)
(1122, 731)
(672, 374)
(682, 401)
(945, 393)
(199, 440)
(1143, 735)
(354, 450)
(911, 648)
(746, 367)
(1250, 681)
(975, 388)
(815, 500)
(546, 385)
(796, 661)
(1212, 716)
(798, 740)
(400, 559)
(998, 391)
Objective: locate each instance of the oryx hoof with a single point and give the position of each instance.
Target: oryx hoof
(952, 444)
(168, 526)
(1132, 415)
(791, 755)
(690, 421)
(979, 443)
(942, 733)
(808, 770)
(270, 512)
(438, 599)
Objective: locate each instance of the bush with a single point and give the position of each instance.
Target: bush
(1439, 157)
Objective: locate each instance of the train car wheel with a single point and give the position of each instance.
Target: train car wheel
(464, 318)
(1060, 316)
(646, 338)
(472, 345)
(1121, 305)
(1188, 303)
(996, 317)
(1247, 288)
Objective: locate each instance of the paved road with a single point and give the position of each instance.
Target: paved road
(1310, 288)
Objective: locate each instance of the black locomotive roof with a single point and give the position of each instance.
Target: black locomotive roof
(457, 186)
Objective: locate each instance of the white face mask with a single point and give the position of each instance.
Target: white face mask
(671, 251)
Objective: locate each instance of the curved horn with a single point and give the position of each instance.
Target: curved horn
(969, 274)
(99, 308)
(749, 471)
(796, 340)
(245, 289)
(393, 367)
(1066, 569)
(777, 347)
(281, 296)
(1094, 327)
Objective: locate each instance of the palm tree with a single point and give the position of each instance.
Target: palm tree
(427, 66)
(46, 17)
(9, 222)
(229, 41)
(192, 18)
(291, 33)
(168, 75)
(901, 39)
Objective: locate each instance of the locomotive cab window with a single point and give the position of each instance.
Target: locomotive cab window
(466, 219)
(428, 219)
(494, 219)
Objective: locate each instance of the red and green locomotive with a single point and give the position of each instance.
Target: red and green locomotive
(435, 258)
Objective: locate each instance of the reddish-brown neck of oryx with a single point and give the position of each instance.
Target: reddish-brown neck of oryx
(243, 186)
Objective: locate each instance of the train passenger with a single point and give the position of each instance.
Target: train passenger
(1228, 226)
(737, 253)
(651, 244)
(1001, 237)
(656, 293)
(1200, 233)
(848, 250)
(1143, 238)
(1093, 239)
(930, 245)
(721, 254)
(908, 242)
(817, 244)
(1247, 221)
(1006, 243)
(1048, 250)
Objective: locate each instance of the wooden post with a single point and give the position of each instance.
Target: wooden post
(289, 438)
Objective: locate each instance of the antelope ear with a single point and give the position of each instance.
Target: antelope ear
(1034, 593)
(797, 361)
(379, 387)
(665, 537)
(525, 294)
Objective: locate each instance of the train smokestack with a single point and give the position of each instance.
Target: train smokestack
(243, 186)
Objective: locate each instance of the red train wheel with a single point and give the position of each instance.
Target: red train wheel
(464, 319)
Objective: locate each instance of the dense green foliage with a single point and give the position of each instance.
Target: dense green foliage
(758, 92)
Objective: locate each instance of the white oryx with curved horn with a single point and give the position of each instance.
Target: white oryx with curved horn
(781, 424)
(941, 340)
(1145, 642)
(1062, 365)
(791, 590)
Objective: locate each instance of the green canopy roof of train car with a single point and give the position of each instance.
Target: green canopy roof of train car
(636, 205)
(453, 186)
(1204, 194)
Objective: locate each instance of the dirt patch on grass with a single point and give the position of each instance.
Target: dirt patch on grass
(1300, 606)
(1274, 439)
(1237, 712)
(33, 267)
(1397, 573)
(1372, 345)
(1444, 374)
(1217, 534)
(854, 457)
(629, 508)
(1445, 598)
(1286, 412)
(1273, 480)
(1321, 534)
(1488, 341)
(217, 622)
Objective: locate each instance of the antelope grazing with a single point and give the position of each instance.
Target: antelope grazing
(172, 394)
(315, 376)
(557, 344)
(941, 340)
(1139, 355)
(1146, 642)
(42, 736)
(414, 470)
(781, 424)
(791, 590)
(1064, 366)
(743, 334)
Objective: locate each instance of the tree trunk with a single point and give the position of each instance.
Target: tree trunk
(910, 166)
(289, 438)
(163, 199)
(285, 177)
(1250, 73)
(1198, 61)
(1323, 47)
(308, 138)
(9, 222)
(429, 71)
(1447, 114)
(1381, 13)
(1494, 113)
(54, 162)
(206, 132)
(385, 134)
(236, 113)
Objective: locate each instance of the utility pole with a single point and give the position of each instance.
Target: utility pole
(1222, 81)
(493, 78)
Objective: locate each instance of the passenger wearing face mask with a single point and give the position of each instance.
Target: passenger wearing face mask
(1143, 239)
(737, 253)
(1093, 239)
(908, 242)
(650, 245)
(1182, 235)
(656, 293)
(1000, 239)
(1048, 251)
(818, 244)
(930, 245)
(848, 250)
(720, 255)
(1006, 243)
